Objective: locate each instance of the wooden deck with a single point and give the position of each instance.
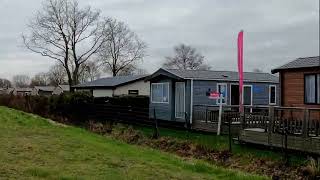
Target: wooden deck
(298, 143)
(294, 128)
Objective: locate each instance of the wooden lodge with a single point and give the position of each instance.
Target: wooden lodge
(300, 83)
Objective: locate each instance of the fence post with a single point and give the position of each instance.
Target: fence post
(229, 134)
(270, 123)
(220, 115)
(305, 122)
(156, 130)
(206, 114)
(242, 119)
(188, 124)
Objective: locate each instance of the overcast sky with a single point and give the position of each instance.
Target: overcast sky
(275, 31)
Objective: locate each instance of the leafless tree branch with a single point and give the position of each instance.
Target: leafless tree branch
(185, 58)
(122, 49)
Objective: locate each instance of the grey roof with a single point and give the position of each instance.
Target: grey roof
(45, 88)
(223, 75)
(23, 89)
(304, 62)
(65, 87)
(111, 82)
(6, 90)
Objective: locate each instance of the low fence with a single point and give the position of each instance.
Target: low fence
(128, 114)
(294, 120)
(104, 112)
(205, 117)
(293, 128)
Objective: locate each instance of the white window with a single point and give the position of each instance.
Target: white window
(133, 92)
(222, 89)
(312, 89)
(160, 92)
(272, 94)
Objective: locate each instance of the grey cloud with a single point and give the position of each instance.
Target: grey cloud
(275, 31)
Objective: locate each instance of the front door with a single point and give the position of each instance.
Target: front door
(235, 94)
(180, 100)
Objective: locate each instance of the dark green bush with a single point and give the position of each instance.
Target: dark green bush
(74, 107)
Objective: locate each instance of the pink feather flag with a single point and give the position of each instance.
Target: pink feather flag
(240, 69)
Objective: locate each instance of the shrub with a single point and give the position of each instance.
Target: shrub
(38, 105)
(312, 170)
(75, 107)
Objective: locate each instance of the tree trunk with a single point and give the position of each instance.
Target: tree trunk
(75, 75)
(114, 72)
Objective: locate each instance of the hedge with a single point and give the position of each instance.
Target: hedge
(72, 108)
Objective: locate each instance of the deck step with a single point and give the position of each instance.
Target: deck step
(236, 140)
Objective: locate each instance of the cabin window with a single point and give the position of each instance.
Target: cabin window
(312, 89)
(272, 94)
(133, 92)
(160, 92)
(222, 89)
(247, 95)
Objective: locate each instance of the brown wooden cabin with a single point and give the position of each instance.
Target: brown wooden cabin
(300, 84)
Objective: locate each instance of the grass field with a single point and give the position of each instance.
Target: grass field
(33, 148)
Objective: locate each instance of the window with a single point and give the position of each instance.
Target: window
(133, 92)
(312, 89)
(247, 95)
(160, 92)
(272, 94)
(222, 89)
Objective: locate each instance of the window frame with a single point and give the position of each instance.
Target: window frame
(251, 91)
(133, 90)
(151, 94)
(316, 90)
(275, 94)
(225, 98)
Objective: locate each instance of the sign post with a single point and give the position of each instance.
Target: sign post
(220, 114)
(217, 95)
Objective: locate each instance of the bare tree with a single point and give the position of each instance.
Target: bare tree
(5, 83)
(132, 70)
(122, 50)
(21, 81)
(67, 33)
(127, 71)
(89, 71)
(57, 75)
(40, 79)
(186, 58)
(140, 71)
